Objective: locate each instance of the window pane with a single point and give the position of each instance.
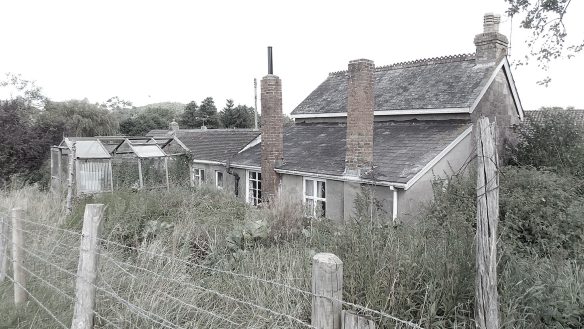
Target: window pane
(320, 188)
(252, 184)
(309, 207)
(320, 209)
(252, 175)
(259, 176)
(202, 174)
(309, 191)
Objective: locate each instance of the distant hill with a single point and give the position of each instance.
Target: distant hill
(175, 106)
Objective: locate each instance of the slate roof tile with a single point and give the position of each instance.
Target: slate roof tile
(401, 149)
(435, 83)
(538, 115)
(213, 144)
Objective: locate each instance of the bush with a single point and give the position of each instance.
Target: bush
(541, 213)
(551, 139)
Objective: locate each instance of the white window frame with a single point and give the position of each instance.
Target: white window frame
(217, 172)
(197, 176)
(314, 196)
(248, 196)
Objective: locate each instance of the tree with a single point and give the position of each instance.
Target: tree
(208, 113)
(75, 118)
(545, 19)
(240, 116)
(22, 150)
(188, 118)
(151, 118)
(227, 115)
(25, 90)
(116, 104)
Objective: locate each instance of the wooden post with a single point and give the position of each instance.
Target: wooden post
(87, 267)
(53, 169)
(71, 176)
(3, 248)
(327, 281)
(111, 174)
(352, 320)
(192, 174)
(166, 170)
(487, 303)
(140, 173)
(18, 257)
(60, 165)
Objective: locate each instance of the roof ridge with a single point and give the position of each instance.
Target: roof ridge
(428, 61)
(417, 62)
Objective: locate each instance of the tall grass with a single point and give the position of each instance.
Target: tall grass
(422, 273)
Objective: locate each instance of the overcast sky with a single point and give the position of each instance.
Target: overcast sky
(180, 51)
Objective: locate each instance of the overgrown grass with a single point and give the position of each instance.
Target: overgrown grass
(423, 273)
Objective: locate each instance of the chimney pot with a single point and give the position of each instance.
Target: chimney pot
(174, 126)
(491, 22)
(490, 45)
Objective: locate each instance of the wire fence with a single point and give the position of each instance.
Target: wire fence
(175, 307)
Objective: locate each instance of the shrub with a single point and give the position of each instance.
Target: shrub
(541, 213)
(551, 139)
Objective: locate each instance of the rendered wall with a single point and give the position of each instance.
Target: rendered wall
(498, 104)
(421, 193)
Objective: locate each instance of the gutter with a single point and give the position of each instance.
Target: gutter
(340, 178)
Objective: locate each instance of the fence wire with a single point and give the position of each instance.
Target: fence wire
(157, 319)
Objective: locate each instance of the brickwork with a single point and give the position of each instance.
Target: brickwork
(360, 107)
(272, 134)
(490, 45)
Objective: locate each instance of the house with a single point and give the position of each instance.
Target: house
(210, 150)
(389, 129)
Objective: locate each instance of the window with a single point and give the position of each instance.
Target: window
(254, 187)
(219, 179)
(199, 176)
(315, 197)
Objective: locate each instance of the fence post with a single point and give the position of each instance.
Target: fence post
(352, 320)
(87, 267)
(17, 256)
(3, 248)
(70, 177)
(327, 281)
(487, 304)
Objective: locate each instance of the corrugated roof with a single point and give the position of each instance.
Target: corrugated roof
(401, 149)
(435, 83)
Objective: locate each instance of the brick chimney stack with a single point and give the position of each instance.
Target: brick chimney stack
(272, 134)
(491, 45)
(360, 107)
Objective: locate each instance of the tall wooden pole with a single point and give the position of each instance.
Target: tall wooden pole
(255, 107)
(487, 298)
(327, 281)
(87, 267)
(18, 256)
